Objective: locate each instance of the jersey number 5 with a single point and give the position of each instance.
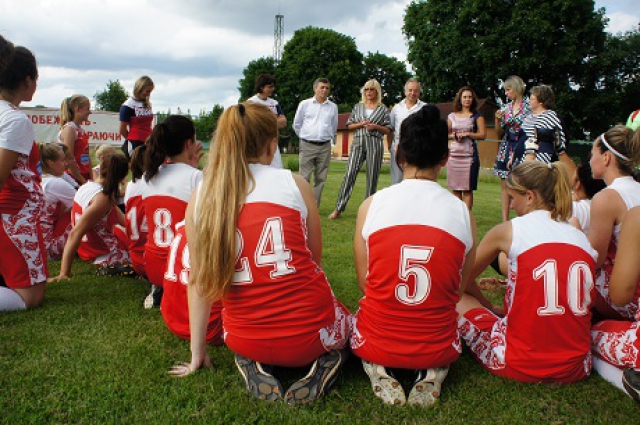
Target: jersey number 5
(413, 260)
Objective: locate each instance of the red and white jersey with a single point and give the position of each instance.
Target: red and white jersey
(278, 291)
(100, 240)
(550, 289)
(58, 197)
(417, 237)
(175, 306)
(136, 223)
(165, 201)
(80, 149)
(21, 189)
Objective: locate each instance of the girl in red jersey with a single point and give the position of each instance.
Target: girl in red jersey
(135, 219)
(544, 334)
(255, 243)
(136, 116)
(614, 157)
(58, 197)
(23, 263)
(413, 245)
(171, 175)
(175, 307)
(74, 111)
(94, 217)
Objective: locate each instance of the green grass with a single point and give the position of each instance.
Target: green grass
(91, 354)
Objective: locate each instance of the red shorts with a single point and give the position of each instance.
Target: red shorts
(486, 336)
(299, 350)
(23, 262)
(617, 342)
(155, 266)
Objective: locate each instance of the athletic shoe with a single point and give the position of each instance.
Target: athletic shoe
(426, 389)
(321, 376)
(116, 270)
(384, 385)
(260, 383)
(154, 298)
(631, 382)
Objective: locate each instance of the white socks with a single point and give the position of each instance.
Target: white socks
(609, 373)
(10, 300)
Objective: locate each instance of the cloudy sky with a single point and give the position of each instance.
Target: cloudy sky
(195, 50)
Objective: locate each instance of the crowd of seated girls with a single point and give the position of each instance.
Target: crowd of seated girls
(241, 245)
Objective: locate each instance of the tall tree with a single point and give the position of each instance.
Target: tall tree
(477, 42)
(317, 52)
(111, 98)
(391, 73)
(263, 65)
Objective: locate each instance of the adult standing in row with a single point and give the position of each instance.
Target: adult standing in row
(407, 106)
(136, 116)
(508, 122)
(466, 125)
(370, 120)
(316, 124)
(264, 87)
(23, 263)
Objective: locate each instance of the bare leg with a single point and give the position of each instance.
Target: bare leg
(504, 199)
(467, 197)
(32, 295)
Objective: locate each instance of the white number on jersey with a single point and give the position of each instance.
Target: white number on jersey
(412, 263)
(163, 232)
(134, 232)
(579, 284)
(170, 274)
(270, 252)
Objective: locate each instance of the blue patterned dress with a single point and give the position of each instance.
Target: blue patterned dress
(511, 123)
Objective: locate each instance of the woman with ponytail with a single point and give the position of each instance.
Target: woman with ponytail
(614, 157)
(171, 175)
(255, 244)
(94, 217)
(23, 263)
(414, 245)
(74, 111)
(135, 219)
(544, 334)
(58, 197)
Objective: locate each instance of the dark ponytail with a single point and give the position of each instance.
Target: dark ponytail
(16, 64)
(166, 140)
(113, 170)
(137, 162)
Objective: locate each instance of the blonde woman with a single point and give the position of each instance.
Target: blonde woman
(508, 123)
(255, 243)
(371, 122)
(136, 116)
(75, 110)
(544, 334)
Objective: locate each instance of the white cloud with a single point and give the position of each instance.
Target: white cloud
(622, 22)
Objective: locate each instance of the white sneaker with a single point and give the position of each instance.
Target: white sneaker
(426, 390)
(384, 385)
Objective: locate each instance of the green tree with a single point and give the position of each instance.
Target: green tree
(391, 73)
(313, 53)
(263, 65)
(477, 42)
(207, 122)
(111, 98)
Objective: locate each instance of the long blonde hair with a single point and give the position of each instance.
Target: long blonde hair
(69, 105)
(549, 181)
(141, 85)
(244, 131)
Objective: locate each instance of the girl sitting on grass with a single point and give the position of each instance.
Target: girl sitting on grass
(94, 218)
(255, 244)
(544, 334)
(413, 247)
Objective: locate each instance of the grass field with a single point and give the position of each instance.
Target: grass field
(91, 354)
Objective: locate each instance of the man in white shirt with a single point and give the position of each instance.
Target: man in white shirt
(407, 106)
(316, 123)
(265, 86)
